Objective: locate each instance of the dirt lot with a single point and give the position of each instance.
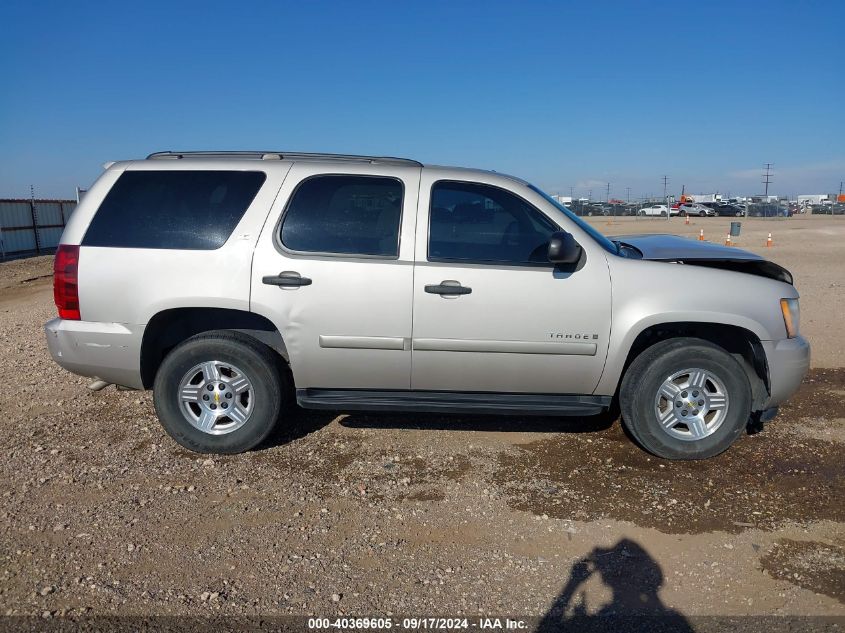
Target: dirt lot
(102, 513)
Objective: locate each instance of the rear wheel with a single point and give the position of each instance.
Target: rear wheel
(685, 398)
(219, 392)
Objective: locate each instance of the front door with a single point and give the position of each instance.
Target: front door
(333, 270)
(491, 314)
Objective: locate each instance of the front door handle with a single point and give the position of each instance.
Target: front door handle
(448, 287)
(286, 279)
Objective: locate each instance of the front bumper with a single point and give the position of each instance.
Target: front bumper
(109, 351)
(789, 361)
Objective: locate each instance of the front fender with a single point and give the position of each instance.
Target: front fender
(649, 293)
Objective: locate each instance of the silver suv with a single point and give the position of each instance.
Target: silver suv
(235, 283)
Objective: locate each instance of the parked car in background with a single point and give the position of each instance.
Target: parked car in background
(766, 210)
(655, 209)
(729, 210)
(596, 208)
(826, 209)
(693, 208)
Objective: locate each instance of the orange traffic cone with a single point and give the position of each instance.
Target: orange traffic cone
(769, 241)
(686, 219)
(728, 239)
(701, 235)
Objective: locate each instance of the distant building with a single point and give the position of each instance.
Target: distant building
(704, 197)
(816, 198)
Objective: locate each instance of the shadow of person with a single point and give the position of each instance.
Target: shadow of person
(633, 577)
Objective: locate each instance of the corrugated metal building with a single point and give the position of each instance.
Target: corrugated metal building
(32, 227)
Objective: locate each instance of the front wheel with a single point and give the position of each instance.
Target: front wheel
(685, 398)
(663, 214)
(702, 213)
(219, 392)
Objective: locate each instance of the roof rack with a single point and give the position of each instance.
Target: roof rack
(256, 155)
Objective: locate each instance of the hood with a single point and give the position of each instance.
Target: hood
(673, 248)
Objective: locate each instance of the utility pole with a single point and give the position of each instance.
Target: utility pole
(590, 195)
(34, 213)
(767, 178)
(628, 195)
(666, 195)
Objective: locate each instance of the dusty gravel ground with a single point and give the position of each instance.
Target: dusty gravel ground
(103, 514)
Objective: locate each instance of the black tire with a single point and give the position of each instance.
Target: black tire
(255, 360)
(702, 213)
(644, 378)
(662, 214)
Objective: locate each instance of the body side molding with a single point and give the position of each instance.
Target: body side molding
(567, 348)
(362, 342)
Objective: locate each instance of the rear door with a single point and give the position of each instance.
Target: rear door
(333, 271)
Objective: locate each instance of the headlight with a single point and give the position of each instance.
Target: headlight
(791, 316)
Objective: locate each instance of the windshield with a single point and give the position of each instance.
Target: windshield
(605, 243)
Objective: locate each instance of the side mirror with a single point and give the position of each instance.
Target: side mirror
(563, 249)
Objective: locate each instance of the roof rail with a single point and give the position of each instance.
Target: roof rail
(271, 155)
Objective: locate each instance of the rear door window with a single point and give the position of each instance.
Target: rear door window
(192, 210)
(344, 215)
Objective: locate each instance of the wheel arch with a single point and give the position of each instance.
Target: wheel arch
(166, 329)
(744, 344)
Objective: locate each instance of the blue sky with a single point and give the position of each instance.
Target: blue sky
(562, 94)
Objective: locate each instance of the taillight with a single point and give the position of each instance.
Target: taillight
(65, 281)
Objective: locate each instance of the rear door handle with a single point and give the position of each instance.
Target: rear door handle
(286, 279)
(448, 287)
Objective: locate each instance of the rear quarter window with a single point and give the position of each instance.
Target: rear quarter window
(193, 210)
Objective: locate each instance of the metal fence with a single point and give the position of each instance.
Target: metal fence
(749, 210)
(32, 227)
